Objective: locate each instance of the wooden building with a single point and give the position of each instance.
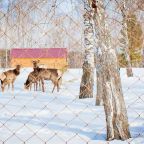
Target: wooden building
(49, 57)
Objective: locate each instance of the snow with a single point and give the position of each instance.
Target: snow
(35, 117)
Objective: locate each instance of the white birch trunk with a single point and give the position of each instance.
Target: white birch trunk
(87, 81)
(114, 105)
(124, 12)
(99, 94)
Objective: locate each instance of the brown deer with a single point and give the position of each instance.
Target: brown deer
(41, 74)
(33, 77)
(50, 74)
(9, 77)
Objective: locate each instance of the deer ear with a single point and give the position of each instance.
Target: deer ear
(38, 61)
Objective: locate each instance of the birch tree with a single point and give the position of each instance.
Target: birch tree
(124, 12)
(7, 34)
(87, 80)
(99, 77)
(114, 105)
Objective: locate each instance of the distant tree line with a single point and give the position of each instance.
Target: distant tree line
(75, 59)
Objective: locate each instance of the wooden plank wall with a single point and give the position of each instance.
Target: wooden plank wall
(58, 63)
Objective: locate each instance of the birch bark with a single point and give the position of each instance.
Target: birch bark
(99, 84)
(114, 105)
(87, 81)
(124, 12)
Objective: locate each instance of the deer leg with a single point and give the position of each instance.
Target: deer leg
(55, 84)
(8, 86)
(39, 85)
(57, 87)
(3, 84)
(53, 88)
(30, 87)
(12, 86)
(2, 87)
(36, 86)
(42, 82)
(58, 84)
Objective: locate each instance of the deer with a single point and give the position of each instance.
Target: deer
(41, 74)
(50, 74)
(9, 77)
(33, 77)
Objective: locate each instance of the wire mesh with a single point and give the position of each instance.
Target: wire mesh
(38, 117)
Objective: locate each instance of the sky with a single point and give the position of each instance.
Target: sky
(64, 9)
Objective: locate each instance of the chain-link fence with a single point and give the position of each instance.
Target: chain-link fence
(55, 29)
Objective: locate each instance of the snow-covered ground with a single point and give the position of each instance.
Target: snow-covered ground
(35, 117)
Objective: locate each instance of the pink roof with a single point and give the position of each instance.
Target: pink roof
(39, 53)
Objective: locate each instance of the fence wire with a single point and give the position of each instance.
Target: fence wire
(28, 117)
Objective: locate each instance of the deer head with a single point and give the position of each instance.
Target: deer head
(35, 63)
(18, 67)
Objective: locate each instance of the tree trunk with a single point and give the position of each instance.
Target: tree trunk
(87, 81)
(99, 94)
(7, 33)
(114, 105)
(126, 51)
(124, 12)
